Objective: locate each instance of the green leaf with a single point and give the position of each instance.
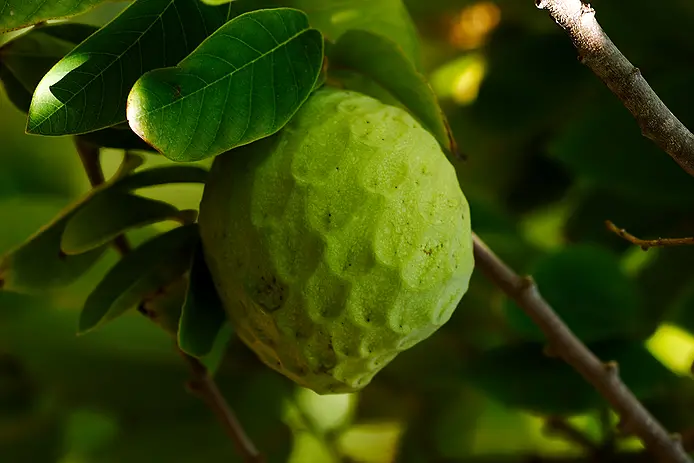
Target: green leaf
(588, 289)
(15, 14)
(522, 376)
(203, 312)
(117, 137)
(165, 306)
(163, 175)
(386, 17)
(214, 358)
(26, 59)
(39, 263)
(141, 273)
(87, 90)
(618, 158)
(109, 214)
(243, 83)
(381, 59)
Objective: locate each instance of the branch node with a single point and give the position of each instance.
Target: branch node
(525, 283)
(611, 368)
(587, 9)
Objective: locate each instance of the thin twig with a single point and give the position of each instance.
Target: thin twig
(90, 155)
(603, 376)
(202, 384)
(596, 50)
(559, 427)
(646, 244)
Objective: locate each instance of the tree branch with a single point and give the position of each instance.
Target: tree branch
(202, 384)
(562, 342)
(596, 50)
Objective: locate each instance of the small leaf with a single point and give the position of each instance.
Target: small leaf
(27, 58)
(243, 83)
(381, 59)
(109, 214)
(589, 291)
(522, 376)
(39, 264)
(203, 312)
(87, 90)
(140, 274)
(389, 18)
(15, 14)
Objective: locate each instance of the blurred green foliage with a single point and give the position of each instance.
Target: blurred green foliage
(550, 155)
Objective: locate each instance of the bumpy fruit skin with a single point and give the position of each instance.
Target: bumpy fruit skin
(338, 243)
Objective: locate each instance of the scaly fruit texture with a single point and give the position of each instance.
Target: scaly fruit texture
(339, 242)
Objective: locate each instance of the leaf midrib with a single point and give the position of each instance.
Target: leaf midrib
(225, 76)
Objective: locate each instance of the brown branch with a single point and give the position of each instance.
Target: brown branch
(603, 376)
(202, 384)
(646, 244)
(596, 50)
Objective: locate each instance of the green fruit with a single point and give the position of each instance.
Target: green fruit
(339, 242)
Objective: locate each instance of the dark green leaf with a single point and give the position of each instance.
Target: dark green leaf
(381, 59)
(117, 138)
(216, 356)
(26, 59)
(666, 281)
(141, 273)
(517, 59)
(15, 14)
(203, 312)
(87, 90)
(605, 146)
(587, 288)
(242, 84)
(164, 308)
(109, 214)
(522, 376)
(386, 17)
(162, 176)
(39, 264)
